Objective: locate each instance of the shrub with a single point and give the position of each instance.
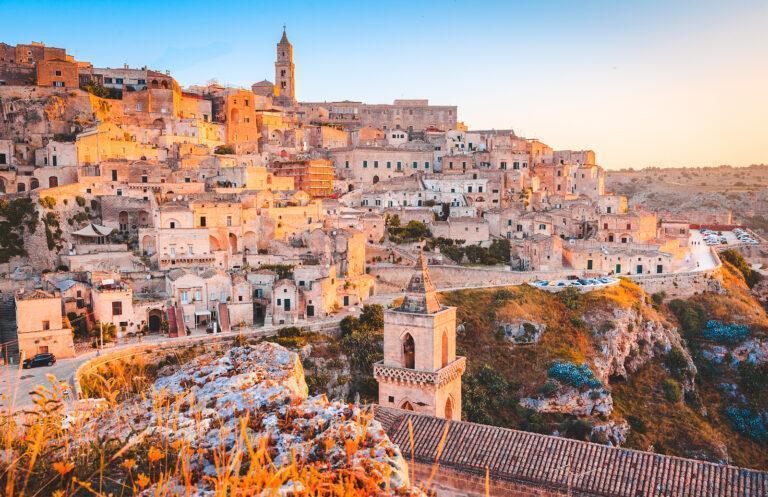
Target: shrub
(691, 316)
(571, 298)
(486, 395)
(672, 390)
(748, 423)
(677, 363)
(753, 378)
(48, 202)
(569, 373)
(734, 258)
(80, 201)
(549, 388)
(224, 150)
(658, 298)
(720, 332)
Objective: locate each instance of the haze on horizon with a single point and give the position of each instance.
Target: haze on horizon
(654, 84)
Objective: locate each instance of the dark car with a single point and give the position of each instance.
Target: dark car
(40, 360)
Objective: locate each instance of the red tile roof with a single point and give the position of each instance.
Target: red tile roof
(549, 462)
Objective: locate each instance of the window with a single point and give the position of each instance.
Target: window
(202, 221)
(58, 73)
(108, 81)
(58, 84)
(184, 295)
(3, 159)
(365, 163)
(375, 164)
(426, 165)
(114, 175)
(287, 304)
(229, 220)
(415, 164)
(46, 325)
(117, 308)
(119, 81)
(503, 164)
(389, 165)
(346, 164)
(589, 264)
(172, 224)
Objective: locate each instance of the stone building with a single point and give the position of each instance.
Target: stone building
(314, 176)
(421, 371)
(40, 325)
(410, 115)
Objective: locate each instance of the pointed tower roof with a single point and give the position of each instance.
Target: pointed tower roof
(284, 39)
(420, 294)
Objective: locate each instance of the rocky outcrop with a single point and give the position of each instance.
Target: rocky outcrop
(625, 340)
(256, 396)
(569, 400)
(521, 331)
(611, 433)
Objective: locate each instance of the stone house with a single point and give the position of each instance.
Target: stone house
(40, 325)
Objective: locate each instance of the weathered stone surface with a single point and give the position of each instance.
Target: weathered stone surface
(568, 400)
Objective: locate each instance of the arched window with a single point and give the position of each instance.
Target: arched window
(409, 352)
(406, 406)
(53, 182)
(33, 184)
(445, 349)
(448, 408)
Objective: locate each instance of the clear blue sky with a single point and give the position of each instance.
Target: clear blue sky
(642, 83)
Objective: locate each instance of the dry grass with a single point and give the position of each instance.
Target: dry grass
(54, 450)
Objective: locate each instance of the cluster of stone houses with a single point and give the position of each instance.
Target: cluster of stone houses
(213, 207)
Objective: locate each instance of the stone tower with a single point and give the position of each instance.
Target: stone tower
(420, 370)
(285, 91)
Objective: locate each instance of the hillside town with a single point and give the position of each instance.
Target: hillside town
(135, 211)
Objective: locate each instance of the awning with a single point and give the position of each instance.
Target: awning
(202, 313)
(93, 231)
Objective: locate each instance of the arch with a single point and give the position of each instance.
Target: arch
(350, 187)
(375, 179)
(444, 344)
(250, 241)
(154, 320)
(164, 84)
(53, 182)
(155, 84)
(21, 187)
(234, 116)
(144, 218)
(407, 406)
(215, 244)
(123, 219)
(148, 244)
(448, 408)
(34, 184)
(233, 243)
(409, 352)
(2, 185)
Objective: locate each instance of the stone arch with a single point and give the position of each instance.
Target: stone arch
(444, 346)
(233, 243)
(148, 244)
(2, 185)
(144, 218)
(215, 243)
(234, 116)
(350, 187)
(154, 320)
(449, 408)
(34, 184)
(20, 187)
(53, 182)
(155, 83)
(375, 179)
(123, 219)
(409, 352)
(407, 406)
(164, 84)
(250, 242)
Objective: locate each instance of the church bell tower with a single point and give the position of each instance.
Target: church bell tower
(285, 91)
(420, 371)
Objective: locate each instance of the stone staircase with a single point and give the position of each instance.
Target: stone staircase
(9, 344)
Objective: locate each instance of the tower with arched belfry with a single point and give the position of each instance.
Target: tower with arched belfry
(285, 90)
(421, 371)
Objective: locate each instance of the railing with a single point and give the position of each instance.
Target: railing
(416, 376)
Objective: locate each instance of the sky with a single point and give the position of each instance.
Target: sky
(643, 83)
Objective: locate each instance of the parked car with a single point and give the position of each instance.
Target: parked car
(39, 360)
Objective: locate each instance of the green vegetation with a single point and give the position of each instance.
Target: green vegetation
(362, 342)
(17, 218)
(734, 258)
(224, 150)
(101, 91)
(414, 231)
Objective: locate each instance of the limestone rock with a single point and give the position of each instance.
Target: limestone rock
(569, 400)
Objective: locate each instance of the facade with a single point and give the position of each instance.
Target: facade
(40, 325)
(314, 176)
(421, 371)
(410, 115)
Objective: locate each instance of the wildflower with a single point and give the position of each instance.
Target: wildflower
(129, 464)
(142, 480)
(63, 467)
(154, 454)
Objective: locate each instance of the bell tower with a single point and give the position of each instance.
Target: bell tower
(285, 92)
(421, 371)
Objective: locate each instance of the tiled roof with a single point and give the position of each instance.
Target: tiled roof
(548, 461)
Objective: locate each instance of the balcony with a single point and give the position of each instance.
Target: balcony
(438, 378)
